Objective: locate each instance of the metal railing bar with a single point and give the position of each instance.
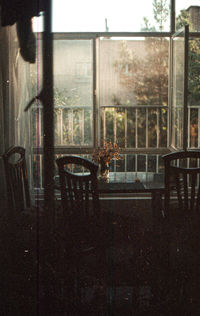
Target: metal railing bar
(82, 126)
(61, 127)
(115, 125)
(158, 127)
(134, 106)
(198, 135)
(136, 128)
(189, 132)
(126, 128)
(147, 128)
(71, 120)
(104, 124)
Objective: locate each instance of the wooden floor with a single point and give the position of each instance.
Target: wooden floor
(132, 279)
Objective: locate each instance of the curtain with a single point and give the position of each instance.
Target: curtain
(14, 96)
(5, 131)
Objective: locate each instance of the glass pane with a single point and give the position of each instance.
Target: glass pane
(133, 75)
(131, 116)
(141, 163)
(193, 72)
(120, 127)
(112, 16)
(141, 127)
(36, 79)
(163, 126)
(73, 84)
(188, 12)
(178, 91)
(37, 175)
(120, 165)
(130, 163)
(133, 72)
(151, 163)
(194, 127)
(152, 127)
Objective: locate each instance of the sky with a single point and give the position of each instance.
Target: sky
(122, 16)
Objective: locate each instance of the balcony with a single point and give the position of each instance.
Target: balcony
(141, 131)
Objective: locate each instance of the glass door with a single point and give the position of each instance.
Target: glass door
(179, 113)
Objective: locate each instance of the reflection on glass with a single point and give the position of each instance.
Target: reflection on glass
(133, 91)
(73, 84)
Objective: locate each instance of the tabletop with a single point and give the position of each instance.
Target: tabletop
(120, 184)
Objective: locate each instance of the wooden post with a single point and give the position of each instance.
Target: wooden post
(47, 100)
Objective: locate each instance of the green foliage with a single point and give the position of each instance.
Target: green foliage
(194, 72)
(65, 97)
(160, 12)
(182, 20)
(193, 60)
(148, 76)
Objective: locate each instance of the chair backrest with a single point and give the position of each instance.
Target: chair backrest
(79, 187)
(182, 176)
(18, 194)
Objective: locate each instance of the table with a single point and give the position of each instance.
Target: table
(122, 186)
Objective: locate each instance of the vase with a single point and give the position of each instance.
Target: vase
(104, 172)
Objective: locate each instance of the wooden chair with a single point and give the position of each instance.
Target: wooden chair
(18, 194)
(182, 171)
(78, 188)
(90, 231)
(182, 222)
(20, 208)
(80, 231)
(20, 224)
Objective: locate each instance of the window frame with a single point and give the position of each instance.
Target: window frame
(96, 111)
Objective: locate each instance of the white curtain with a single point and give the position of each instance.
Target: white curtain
(14, 96)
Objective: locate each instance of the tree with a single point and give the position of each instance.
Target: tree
(147, 77)
(193, 60)
(193, 75)
(160, 12)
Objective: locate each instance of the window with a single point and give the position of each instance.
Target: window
(125, 87)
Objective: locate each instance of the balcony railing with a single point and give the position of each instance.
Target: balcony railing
(132, 127)
(135, 129)
(138, 127)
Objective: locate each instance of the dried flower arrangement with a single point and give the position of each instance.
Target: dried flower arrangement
(105, 154)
